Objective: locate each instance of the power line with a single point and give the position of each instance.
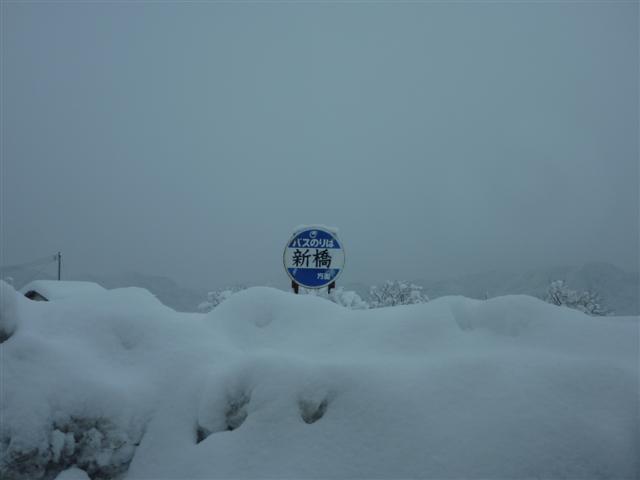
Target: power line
(35, 275)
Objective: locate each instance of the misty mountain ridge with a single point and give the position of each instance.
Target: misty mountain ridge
(618, 289)
(167, 290)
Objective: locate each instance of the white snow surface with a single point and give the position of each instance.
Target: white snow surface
(274, 385)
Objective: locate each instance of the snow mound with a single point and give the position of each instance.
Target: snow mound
(271, 384)
(57, 289)
(73, 474)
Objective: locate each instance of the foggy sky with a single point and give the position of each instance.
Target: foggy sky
(188, 139)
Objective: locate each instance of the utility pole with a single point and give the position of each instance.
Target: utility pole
(59, 264)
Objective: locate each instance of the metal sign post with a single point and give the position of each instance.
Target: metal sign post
(59, 258)
(313, 258)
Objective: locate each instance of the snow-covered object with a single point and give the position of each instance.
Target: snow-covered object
(58, 289)
(339, 296)
(393, 293)
(216, 297)
(348, 299)
(275, 385)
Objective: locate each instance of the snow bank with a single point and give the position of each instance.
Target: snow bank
(270, 384)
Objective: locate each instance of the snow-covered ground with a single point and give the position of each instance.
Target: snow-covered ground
(270, 384)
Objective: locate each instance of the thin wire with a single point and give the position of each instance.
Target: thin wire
(36, 274)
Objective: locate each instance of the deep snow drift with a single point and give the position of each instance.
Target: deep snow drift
(270, 384)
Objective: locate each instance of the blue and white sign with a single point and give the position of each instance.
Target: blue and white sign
(314, 257)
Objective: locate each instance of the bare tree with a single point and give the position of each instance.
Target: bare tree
(586, 301)
(395, 292)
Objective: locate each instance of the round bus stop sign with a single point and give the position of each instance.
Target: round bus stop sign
(313, 257)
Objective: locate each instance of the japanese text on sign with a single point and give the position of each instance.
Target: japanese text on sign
(301, 242)
(319, 259)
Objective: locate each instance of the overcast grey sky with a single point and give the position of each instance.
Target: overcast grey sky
(187, 139)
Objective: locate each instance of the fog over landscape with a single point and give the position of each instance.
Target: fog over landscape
(187, 140)
(303, 240)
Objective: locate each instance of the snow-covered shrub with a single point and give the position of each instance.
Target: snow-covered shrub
(216, 297)
(587, 301)
(348, 299)
(340, 296)
(396, 293)
(95, 445)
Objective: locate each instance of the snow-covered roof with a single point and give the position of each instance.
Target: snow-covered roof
(56, 289)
